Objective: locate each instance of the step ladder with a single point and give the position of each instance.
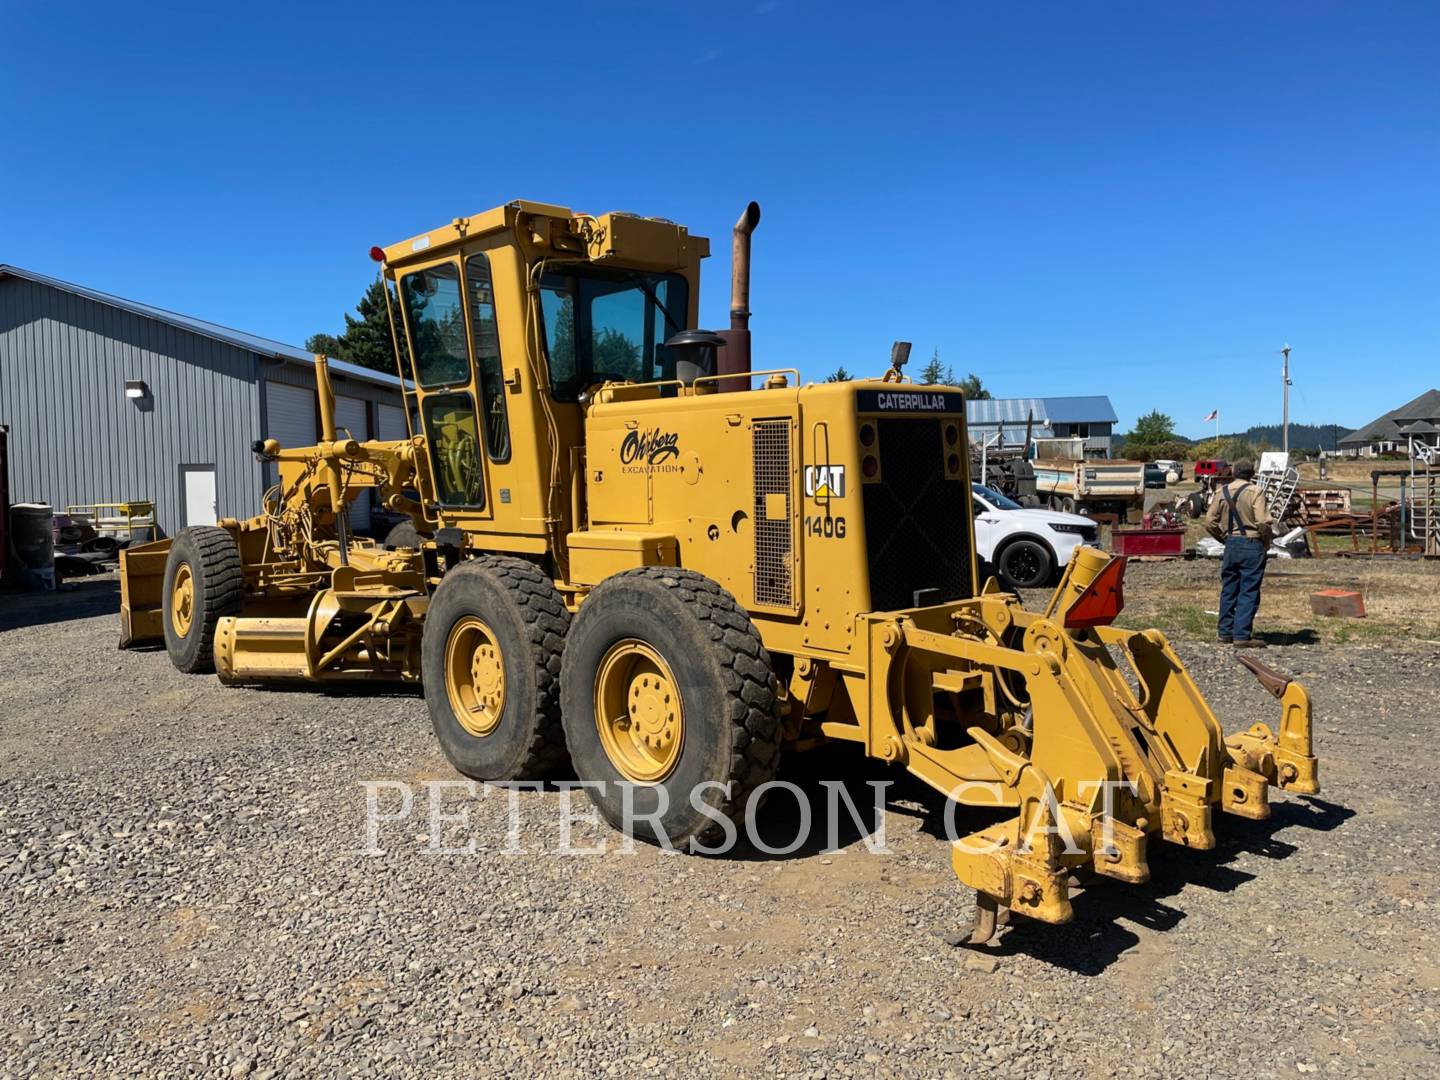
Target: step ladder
(1425, 508)
(1278, 490)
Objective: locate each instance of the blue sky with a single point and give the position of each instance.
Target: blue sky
(1143, 200)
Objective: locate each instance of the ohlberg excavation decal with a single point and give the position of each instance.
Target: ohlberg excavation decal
(649, 451)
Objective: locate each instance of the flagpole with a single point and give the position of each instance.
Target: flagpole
(1217, 431)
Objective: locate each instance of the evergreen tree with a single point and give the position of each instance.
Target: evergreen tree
(366, 340)
(934, 372)
(974, 389)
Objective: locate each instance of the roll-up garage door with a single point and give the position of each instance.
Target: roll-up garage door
(289, 418)
(390, 423)
(350, 416)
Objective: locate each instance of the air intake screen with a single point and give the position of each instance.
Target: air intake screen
(773, 536)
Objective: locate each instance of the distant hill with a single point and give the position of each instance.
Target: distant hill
(1302, 437)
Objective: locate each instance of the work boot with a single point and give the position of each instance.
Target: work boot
(1250, 643)
(1225, 640)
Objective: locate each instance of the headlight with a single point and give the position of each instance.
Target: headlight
(1082, 530)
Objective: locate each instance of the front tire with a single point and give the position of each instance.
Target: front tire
(204, 582)
(667, 687)
(490, 659)
(1026, 564)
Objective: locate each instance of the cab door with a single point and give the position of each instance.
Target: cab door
(433, 300)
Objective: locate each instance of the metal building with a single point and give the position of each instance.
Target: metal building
(1090, 418)
(109, 400)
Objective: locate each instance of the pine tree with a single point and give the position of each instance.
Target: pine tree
(974, 389)
(935, 372)
(366, 340)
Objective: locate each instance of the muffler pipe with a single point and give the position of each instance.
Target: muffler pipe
(735, 356)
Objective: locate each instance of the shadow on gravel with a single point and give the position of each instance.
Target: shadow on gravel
(780, 822)
(82, 599)
(1095, 939)
(350, 688)
(1289, 637)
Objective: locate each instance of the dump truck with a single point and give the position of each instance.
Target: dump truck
(636, 556)
(1065, 479)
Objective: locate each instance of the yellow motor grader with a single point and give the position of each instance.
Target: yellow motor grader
(630, 551)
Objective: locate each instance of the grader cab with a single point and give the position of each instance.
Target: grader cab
(632, 552)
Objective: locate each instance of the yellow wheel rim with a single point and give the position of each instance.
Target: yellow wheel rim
(182, 600)
(475, 676)
(639, 712)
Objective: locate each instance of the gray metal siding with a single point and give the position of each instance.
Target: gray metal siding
(75, 437)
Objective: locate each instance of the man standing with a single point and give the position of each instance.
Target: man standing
(1239, 519)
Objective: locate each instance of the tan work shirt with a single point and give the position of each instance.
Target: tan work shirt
(1252, 517)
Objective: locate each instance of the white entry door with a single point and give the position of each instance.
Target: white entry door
(198, 483)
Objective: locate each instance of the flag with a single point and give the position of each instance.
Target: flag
(1214, 415)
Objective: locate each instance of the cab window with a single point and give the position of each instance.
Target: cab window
(605, 325)
(437, 325)
(487, 356)
(455, 449)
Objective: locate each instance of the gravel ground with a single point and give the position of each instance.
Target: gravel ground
(183, 890)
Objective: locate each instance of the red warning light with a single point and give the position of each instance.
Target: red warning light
(378, 254)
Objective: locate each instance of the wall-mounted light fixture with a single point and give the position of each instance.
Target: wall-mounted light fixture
(136, 388)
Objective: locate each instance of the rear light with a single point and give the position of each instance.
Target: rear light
(378, 254)
(1102, 600)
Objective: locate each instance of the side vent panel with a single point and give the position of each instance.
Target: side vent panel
(774, 535)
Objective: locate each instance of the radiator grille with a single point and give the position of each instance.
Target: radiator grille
(773, 536)
(916, 530)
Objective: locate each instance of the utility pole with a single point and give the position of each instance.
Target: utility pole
(1285, 418)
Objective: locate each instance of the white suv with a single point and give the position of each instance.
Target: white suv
(1026, 548)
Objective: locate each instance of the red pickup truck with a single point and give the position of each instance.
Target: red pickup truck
(1213, 469)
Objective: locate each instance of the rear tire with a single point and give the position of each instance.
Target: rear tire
(1025, 564)
(204, 582)
(693, 700)
(490, 659)
(1067, 505)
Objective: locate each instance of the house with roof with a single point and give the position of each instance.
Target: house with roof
(1416, 422)
(110, 400)
(1091, 418)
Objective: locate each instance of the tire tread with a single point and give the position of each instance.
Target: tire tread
(222, 585)
(752, 694)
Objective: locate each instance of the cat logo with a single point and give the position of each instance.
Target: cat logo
(825, 481)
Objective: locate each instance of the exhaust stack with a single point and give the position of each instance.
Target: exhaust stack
(735, 356)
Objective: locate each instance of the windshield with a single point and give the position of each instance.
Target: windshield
(610, 325)
(995, 499)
